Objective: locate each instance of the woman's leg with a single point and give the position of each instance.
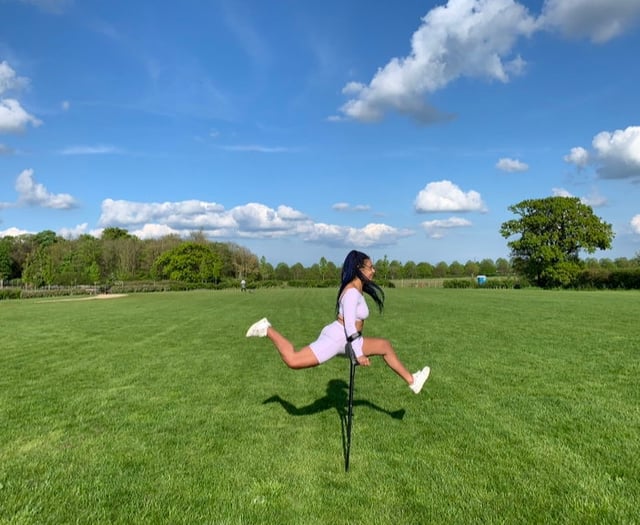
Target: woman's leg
(304, 358)
(382, 347)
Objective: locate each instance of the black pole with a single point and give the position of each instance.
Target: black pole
(353, 362)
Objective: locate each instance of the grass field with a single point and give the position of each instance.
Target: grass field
(154, 408)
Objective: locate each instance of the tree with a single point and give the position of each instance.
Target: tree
(266, 268)
(553, 231)
(410, 270)
(282, 272)
(396, 270)
(38, 268)
(45, 238)
(242, 262)
(472, 268)
(333, 272)
(455, 269)
(190, 262)
(382, 268)
(503, 267)
(424, 270)
(322, 267)
(112, 233)
(297, 271)
(6, 268)
(488, 267)
(441, 269)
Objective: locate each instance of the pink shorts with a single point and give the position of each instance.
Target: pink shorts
(330, 342)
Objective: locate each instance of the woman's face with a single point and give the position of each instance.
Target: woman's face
(367, 269)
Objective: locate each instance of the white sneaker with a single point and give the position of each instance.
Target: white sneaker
(419, 379)
(259, 328)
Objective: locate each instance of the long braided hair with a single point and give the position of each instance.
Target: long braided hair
(353, 262)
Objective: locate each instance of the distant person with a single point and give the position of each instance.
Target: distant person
(243, 285)
(351, 311)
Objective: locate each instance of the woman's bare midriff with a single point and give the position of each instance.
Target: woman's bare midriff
(359, 323)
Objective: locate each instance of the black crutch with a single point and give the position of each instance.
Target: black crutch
(353, 362)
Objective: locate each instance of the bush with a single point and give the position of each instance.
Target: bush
(506, 283)
(313, 284)
(599, 279)
(628, 279)
(459, 283)
(9, 293)
(53, 291)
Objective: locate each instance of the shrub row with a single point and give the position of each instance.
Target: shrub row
(598, 279)
(9, 293)
(505, 283)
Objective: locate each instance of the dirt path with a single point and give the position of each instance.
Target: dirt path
(85, 298)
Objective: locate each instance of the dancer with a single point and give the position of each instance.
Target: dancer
(351, 310)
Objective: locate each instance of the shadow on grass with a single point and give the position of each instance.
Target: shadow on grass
(337, 398)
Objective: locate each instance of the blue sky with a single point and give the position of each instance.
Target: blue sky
(301, 130)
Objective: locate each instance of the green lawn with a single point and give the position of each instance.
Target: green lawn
(154, 408)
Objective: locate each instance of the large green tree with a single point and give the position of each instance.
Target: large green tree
(190, 262)
(6, 265)
(553, 231)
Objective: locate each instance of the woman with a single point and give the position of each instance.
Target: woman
(352, 310)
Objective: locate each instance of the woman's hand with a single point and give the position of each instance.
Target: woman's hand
(363, 360)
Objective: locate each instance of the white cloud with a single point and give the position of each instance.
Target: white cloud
(465, 38)
(615, 155)
(474, 38)
(32, 193)
(578, 156)
(253, 217)
(184, 214)
(598, 20)
(13, 118)
(9, 81)
(446, 196)
(512, 165)
(76, 231)
(353, 88)
(89, 150)
(561, 192)
(346, 207)
(291, 214)
(252, 220)
(618, 153)
(65, 105)
(635, 224)
(595, 200)
(345, 236)
(13, 232)
(335, 118)
(155, 231)
(435, 229)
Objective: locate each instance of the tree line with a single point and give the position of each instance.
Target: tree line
(553, 232)
(46, 259)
